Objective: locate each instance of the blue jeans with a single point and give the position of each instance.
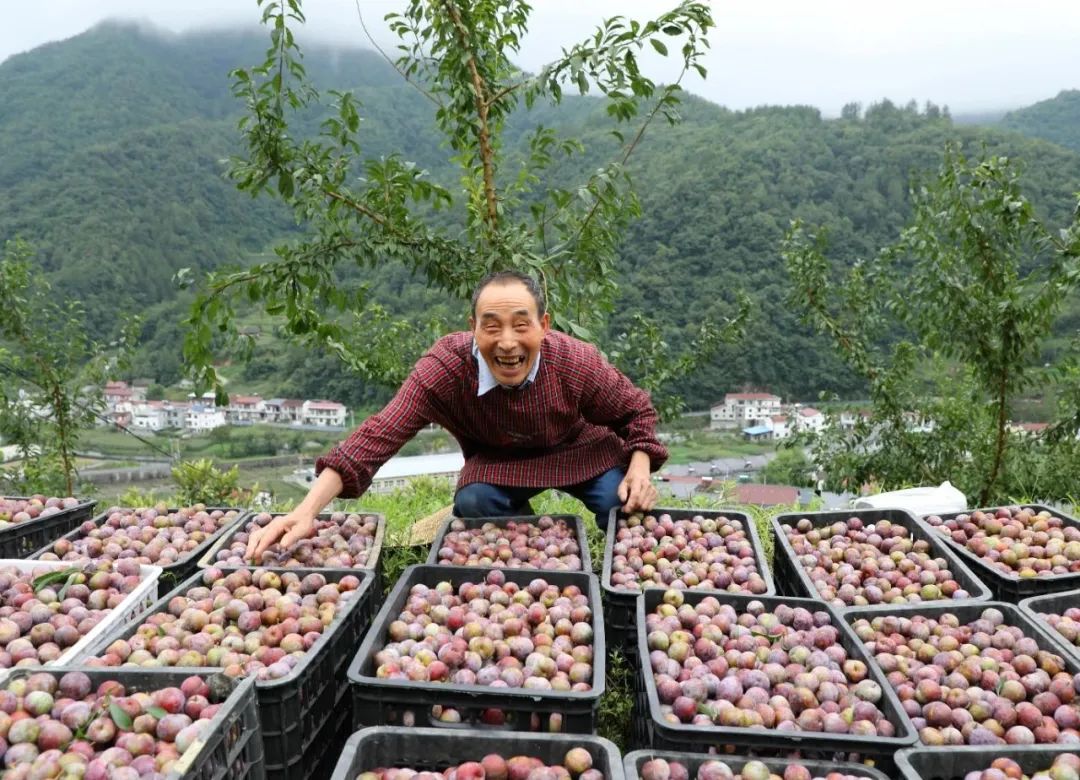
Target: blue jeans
(480, 499)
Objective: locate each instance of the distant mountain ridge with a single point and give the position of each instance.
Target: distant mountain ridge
(111, 150)
(1056, 120)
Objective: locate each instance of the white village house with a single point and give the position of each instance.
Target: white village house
(809, 419)
(780, 426)
(204, 417)
(176, 413)
(127, 407)
(149, 416)
(292, 411)
(324, 413)
(245, 409)
(250, 409)
(742, 409)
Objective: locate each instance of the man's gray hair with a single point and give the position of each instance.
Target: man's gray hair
(506, 277)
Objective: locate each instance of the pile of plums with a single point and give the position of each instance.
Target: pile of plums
(783, 669)
(698, 552)
(150, 535)
(1066, 766)
(853, 563)
(47, 610)
(1067, 624)
(20, 510)
(339, 541)
(57, 726)
(492, 633)
(576, 764)
(713, 769)
(981, 682)
(1016, 540)
(251, 621)
(547, 543)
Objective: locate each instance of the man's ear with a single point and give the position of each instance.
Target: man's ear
(472, 323)
(545, 321)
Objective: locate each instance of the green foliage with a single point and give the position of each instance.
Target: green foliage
(789, 467)
(702, 445)
(421, 497)
(1057, 120)
(47, 360)
(641, 351)
(974, 285)
(200, 482)
(506, 214)
(118, 189)
(135, 496)
(617, 703)
(396, 559)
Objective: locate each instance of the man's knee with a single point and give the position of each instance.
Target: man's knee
(603, 503)
(603, 496)
(480, 499)
(474, 500)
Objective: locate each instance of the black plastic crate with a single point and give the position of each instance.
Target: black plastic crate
(1004, 586)
(620, 605)
(437, 749)
(953, 763)
(967, 612)
(327, 750)
(372, 563)
(574, 521)
(811, 744)
(633, 762)
(381, 702)
(175, 572)
(292, 710)
(231, 747)
(20, 540)
(798, 578)
(1055, 603)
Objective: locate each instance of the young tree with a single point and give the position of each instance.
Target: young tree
(789, 467)
(52, 375)
(972, 287)
(505, 213)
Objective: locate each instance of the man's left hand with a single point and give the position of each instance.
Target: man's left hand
(636, 491)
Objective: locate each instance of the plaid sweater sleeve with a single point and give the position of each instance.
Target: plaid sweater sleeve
(609, 398)
(380, 436)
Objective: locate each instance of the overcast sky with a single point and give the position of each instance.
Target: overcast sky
(968, 55)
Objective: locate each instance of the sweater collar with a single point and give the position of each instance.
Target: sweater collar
(486, 380)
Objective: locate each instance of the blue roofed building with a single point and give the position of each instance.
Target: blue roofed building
(758, 433)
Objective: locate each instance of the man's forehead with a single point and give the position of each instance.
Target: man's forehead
(490, 314)
(501, 299)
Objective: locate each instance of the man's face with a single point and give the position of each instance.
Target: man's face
(508, 331)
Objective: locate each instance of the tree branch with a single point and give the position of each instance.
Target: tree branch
(487, 154)
(631, 146)
(999, 444)
(393, 64)
(358, 207)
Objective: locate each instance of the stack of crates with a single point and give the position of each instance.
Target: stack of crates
(301, 716)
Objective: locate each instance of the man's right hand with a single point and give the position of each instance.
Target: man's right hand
(289, 529)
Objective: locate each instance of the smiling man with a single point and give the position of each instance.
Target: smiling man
(532, 409)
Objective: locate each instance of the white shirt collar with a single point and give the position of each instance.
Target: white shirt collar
(487, 380)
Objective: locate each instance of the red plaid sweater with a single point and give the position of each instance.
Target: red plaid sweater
(579, 418)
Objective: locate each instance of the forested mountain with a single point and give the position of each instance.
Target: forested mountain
(110, 164)
(1057, 119)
